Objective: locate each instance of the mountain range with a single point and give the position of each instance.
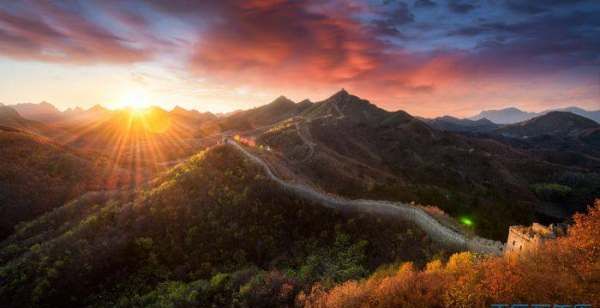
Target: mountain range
(348, 146)
(46, 112)
(513, 115)
(43, 112)
(127, 208)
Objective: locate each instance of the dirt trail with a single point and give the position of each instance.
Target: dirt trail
(403, 211)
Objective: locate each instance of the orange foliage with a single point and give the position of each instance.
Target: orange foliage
(564, 271)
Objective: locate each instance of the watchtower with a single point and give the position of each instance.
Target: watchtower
(523, 239)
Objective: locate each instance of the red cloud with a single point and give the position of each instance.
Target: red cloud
(277, 41)
(283, 45)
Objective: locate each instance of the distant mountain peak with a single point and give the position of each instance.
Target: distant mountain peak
(282, 100)
(73, 110)
(504, 116)
(45, 106)
(485, 121)
(512, 115)
(564, 116)
(453, 124)
(6, 111)
(42, 111)
(178, 108)
(341, 94)
(511, 109)
(557, 123)
(97, 108)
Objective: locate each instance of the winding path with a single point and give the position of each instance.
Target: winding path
(403, 211)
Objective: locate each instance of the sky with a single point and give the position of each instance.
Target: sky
(427, 57)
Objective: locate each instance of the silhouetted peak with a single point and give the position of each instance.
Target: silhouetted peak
(341, 94)
(484, 121)
(282, 100)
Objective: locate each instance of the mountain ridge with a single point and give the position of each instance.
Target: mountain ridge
(557, 123)
(511, 115)
(43, 111)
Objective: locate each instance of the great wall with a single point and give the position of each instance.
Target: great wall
(407, 212)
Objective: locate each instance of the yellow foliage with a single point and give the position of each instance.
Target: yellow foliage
(434, 266)
(460, 262)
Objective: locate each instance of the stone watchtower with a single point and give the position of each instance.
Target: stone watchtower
(523, 239)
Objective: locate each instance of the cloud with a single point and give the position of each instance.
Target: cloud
(525, 7)
(424, 4)
(400, 15)
(537, 7)
(544, 43)
(44, 31)
(387, 50)
(310, 45)
(460, 7)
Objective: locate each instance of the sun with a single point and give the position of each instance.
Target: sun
(137, 100)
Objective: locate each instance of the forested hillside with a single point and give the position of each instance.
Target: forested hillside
(347, 146)
(37, 175)
(213, 231)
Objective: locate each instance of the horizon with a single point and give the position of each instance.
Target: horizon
(173, 107)
(229, 56)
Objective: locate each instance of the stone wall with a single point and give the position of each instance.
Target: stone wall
(523, 239)
(418, 216)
